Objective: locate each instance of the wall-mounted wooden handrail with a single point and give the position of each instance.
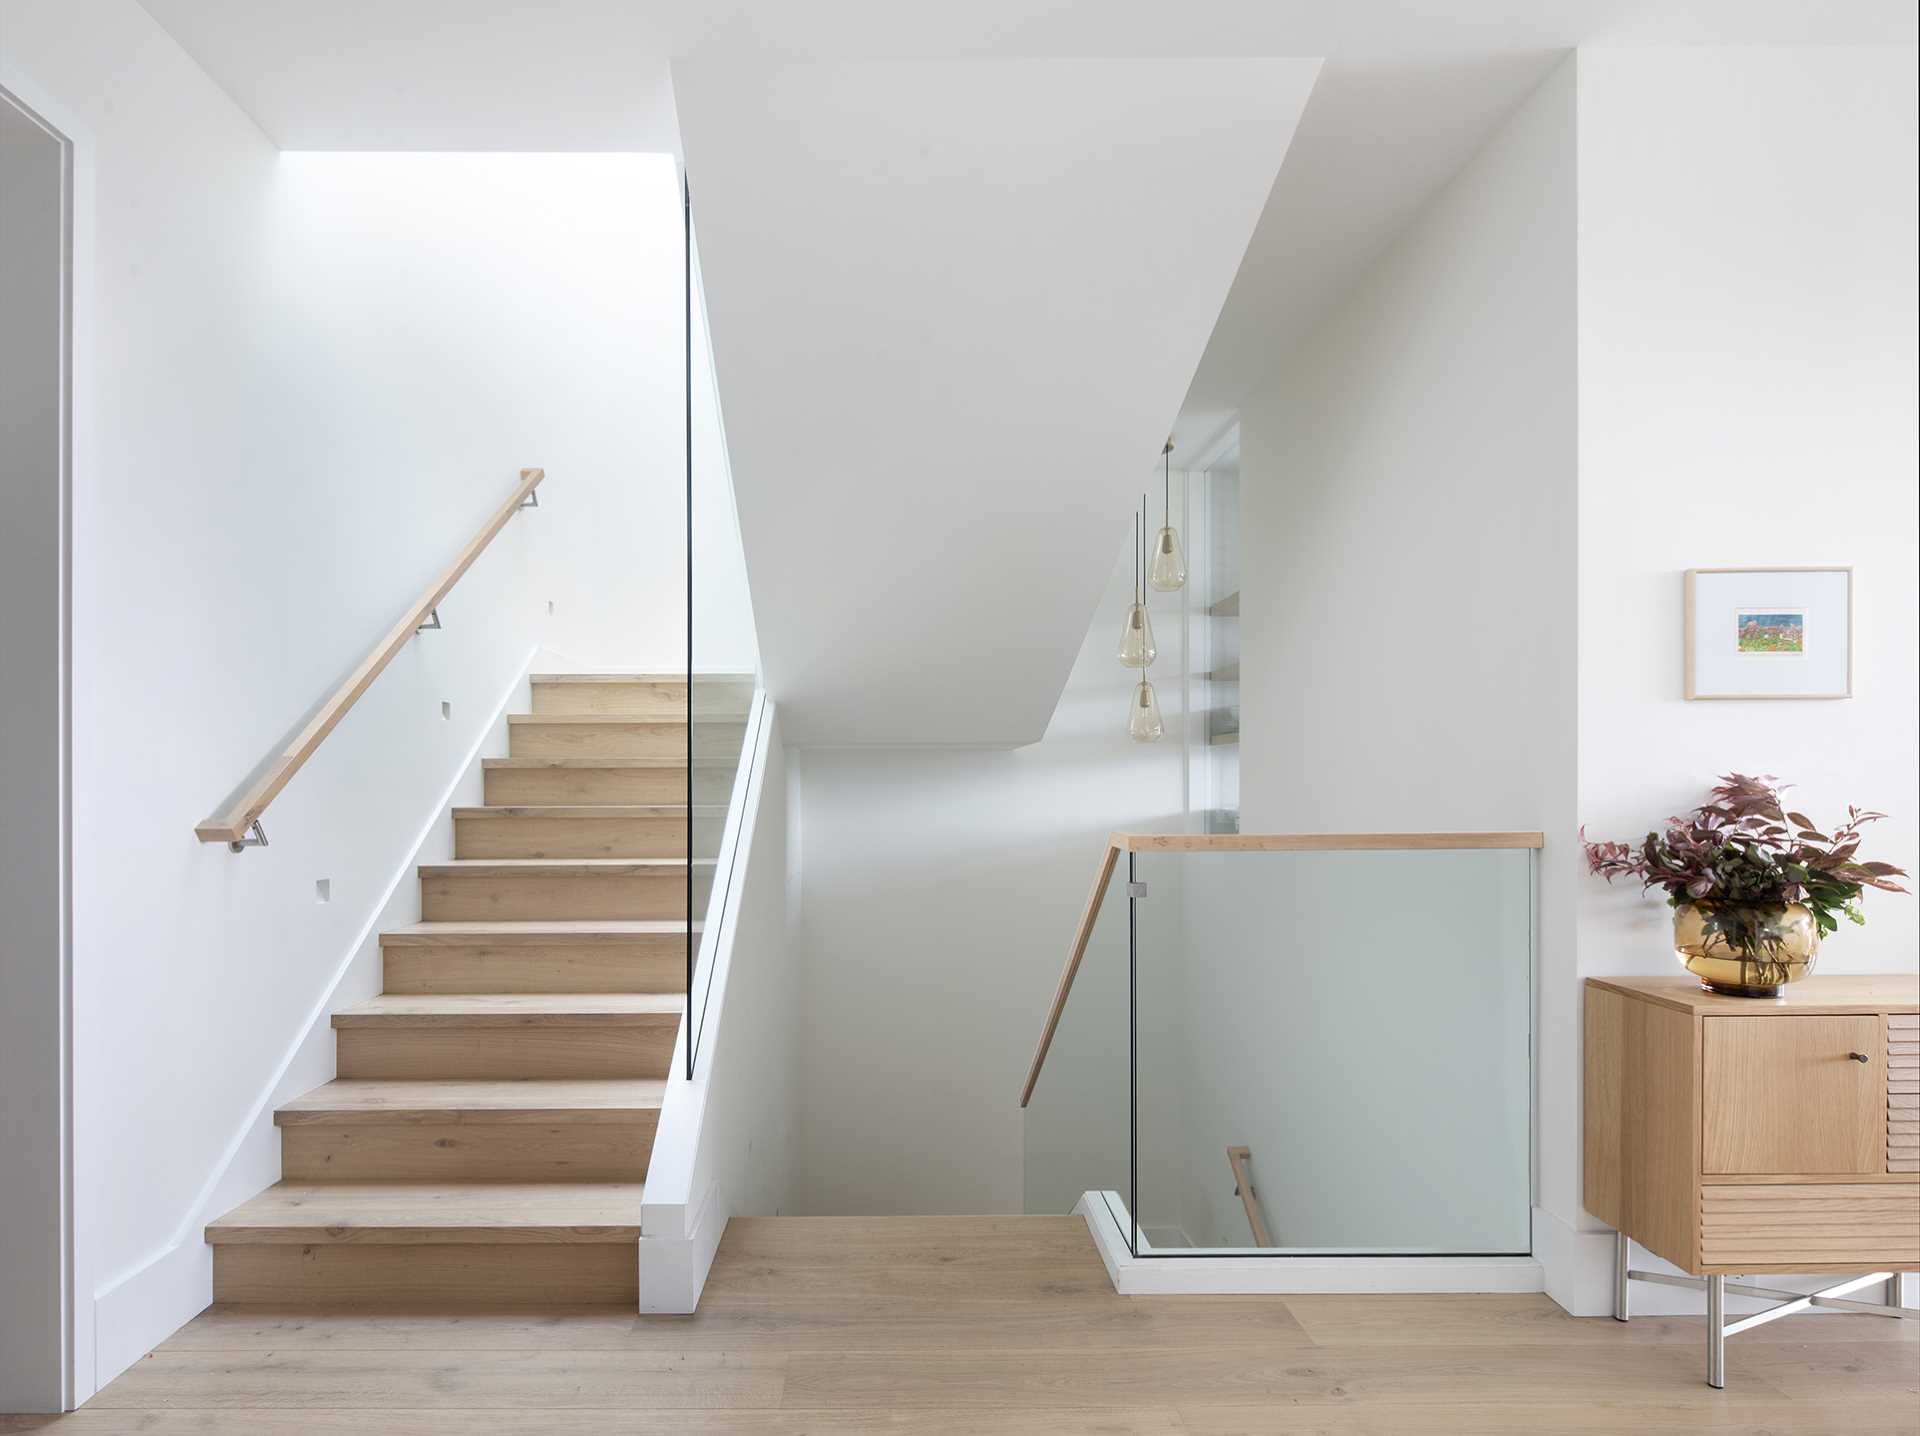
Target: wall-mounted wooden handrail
(1081, 936)
(232, 824)
(1238, 1160)
(1238, 843)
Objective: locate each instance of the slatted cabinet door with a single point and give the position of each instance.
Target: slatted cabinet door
(1903, 1092)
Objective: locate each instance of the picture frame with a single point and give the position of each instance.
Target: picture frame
(1769, 633)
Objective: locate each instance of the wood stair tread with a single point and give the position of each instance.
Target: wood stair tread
(652, 678)
(355, 1100)
(529, 933)
(616, 763)
(588, 810)
(556, 867)
(602, 720)
(515, 1009)
(412, 1213)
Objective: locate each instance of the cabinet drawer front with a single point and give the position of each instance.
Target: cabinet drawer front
(1810, 1228)
(1784, 1094)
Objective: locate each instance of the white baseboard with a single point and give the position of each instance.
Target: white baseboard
(1578, 1262)
(673, 1269)
(137, 1310)
(1275, 1275)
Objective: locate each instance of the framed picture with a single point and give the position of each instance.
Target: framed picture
(1769, 633)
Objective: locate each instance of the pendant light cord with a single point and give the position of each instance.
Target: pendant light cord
(1140, 555)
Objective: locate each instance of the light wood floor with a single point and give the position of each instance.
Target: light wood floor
(998, 1326)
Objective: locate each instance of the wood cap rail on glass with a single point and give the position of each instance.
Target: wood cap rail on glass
(238, 824)
(1237, 843)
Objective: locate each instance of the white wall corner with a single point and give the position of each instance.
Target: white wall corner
(140, 1308)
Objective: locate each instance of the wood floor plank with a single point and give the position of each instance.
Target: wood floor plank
(1871, 1417)
(1503, 1319)
(755, 1284)
(824, 1323)
(841, 1242)
(259, 1328)
(370, 1380)
(256, 1421)
(1389, 1376)
(917, 1329)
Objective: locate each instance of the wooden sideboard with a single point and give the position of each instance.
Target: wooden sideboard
(1741, 1135)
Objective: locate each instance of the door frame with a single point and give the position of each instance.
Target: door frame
(74, 1382)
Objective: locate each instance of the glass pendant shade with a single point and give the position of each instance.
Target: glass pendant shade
(1143, 717)
(1136, 639)
(1168, 571)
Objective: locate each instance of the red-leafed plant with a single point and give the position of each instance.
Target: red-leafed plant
(1743, 854)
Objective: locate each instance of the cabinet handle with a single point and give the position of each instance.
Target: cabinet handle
(1858, 1056)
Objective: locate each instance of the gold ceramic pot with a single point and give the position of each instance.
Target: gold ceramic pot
(1789, 940)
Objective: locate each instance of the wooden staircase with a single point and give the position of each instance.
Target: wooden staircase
(487, 1137)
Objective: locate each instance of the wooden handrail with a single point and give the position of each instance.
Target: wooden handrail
(1237, 1160)
(1319, 842)
(1081, 936)
(232, 825)
(1238, 843)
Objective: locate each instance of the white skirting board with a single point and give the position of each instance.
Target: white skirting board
(1277, 1275)
(135, 1311)
(673, 1269)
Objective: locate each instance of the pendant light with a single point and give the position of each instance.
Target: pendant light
(1169, 570)
(1143, 711)
(1143, 715)
(1136, 638)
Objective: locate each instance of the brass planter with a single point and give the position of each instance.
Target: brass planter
(1789, 941)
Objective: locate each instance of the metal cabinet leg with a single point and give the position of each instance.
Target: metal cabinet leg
(1622, 1250)
(1717, 1331)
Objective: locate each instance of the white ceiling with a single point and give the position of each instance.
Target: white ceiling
(592, 74)
(938, 398)
(944, 331)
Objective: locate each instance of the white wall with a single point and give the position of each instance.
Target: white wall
(729, 1137)
(1747, 398)
(34, 193)
(939, 890)
(1742, 314)
(314, 376)
(1407, 497)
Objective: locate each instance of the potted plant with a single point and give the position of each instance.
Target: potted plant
(1753, 886)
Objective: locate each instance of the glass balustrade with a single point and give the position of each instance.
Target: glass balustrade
(1300, 1052)
(722, 669)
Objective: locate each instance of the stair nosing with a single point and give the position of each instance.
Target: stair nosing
(247, 1224)
(618, 764)
(558, 679)
(329, 1106)
(552, 867)
(584, 810)
(465, 1009)
(559, 932)
(623, 720)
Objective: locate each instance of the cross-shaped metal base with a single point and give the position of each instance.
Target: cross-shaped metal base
(1789, 1302)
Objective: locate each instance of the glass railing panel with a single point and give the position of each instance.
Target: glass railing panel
(1333, 1052)
(722, 662)
(1076, 1122)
